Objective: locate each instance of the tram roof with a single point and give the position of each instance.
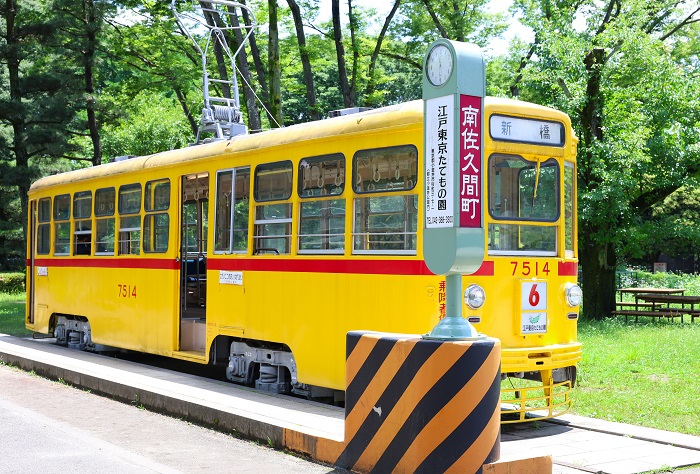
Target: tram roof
(386, 117)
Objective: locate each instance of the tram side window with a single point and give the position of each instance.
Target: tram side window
(43, 243)
(386, 223)
(232, 208)
(273, 221)
(569, 221)
(156, 225)
(104, 223)
(322, 221)
(130, 219)
(526, 191)
(82, 212)
(61, 216)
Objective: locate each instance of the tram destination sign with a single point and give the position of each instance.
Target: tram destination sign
(522, 130)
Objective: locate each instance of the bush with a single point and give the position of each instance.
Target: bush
(12, 282)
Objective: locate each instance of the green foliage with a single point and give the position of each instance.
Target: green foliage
(154, 123)
(12, 282)
(12, 310)
(640, 278)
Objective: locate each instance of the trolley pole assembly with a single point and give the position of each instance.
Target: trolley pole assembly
(454, 87)
(221, 115)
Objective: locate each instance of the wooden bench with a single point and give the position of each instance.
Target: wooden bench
(653, 314)
(632, 304)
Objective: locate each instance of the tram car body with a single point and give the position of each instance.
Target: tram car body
(261, 252)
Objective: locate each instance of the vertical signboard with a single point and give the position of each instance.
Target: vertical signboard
(471, 111)
(439, 177)
(454, 87)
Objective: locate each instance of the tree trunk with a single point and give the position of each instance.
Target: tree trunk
(305, 61)
(598, 264)
(375, 54)
(254, 122)
(255, 52)
(273, 62)
(355, 52)
(17, 119)
(348, 99)
(91, 27)
(182, 100)
(598, 259)
(221, 61)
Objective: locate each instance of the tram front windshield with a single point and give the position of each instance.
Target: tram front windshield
(523, 205)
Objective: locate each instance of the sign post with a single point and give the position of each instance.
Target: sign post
(454, 87)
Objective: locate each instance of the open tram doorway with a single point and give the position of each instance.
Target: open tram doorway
(194, 221)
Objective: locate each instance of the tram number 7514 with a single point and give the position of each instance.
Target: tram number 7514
(530, 268)
(127, 291)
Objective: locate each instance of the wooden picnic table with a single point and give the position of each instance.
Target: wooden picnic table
(666, 300)
(644, 306)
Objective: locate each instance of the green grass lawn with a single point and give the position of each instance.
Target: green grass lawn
(640, 373)
(12, 314)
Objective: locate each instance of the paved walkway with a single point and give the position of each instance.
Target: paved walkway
(577, 444)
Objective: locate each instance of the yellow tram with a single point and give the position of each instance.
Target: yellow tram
(261, 252)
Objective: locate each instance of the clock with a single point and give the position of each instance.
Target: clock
(439, 65)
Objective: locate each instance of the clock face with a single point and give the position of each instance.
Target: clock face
(439, 65)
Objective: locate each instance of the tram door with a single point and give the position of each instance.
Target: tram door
(32, 253)
(193, 261)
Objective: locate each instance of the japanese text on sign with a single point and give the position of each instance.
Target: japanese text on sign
(470, 161)
(439, 139)
(514, 129)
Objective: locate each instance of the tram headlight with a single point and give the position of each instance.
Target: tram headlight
(474, 296)
(573, 294)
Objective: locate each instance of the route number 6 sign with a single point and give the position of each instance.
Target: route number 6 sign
(534, 307)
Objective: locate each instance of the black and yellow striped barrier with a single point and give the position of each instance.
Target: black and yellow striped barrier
(419, 405)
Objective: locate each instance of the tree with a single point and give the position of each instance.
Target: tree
(305, 61)
(77, 25)
(33, 111)
(347, 93)
(634, 106)
(273, 61)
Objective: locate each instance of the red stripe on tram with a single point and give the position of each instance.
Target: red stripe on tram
(568, 268)
(101, 262)
(368, 267)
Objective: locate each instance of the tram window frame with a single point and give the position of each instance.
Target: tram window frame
(272, 225)
(516, 234)
(331, 185)
(569, 207)
(321, 218)
(104, 221)
(231, 226)
(61, 217)
(129, 209)
(156, 235)
(269, 171)
(82, 223)
(374, 233)
(329, 227)
(273, 228)
(496, 188)
(376, 175)
(43, 231)
(157, 195)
